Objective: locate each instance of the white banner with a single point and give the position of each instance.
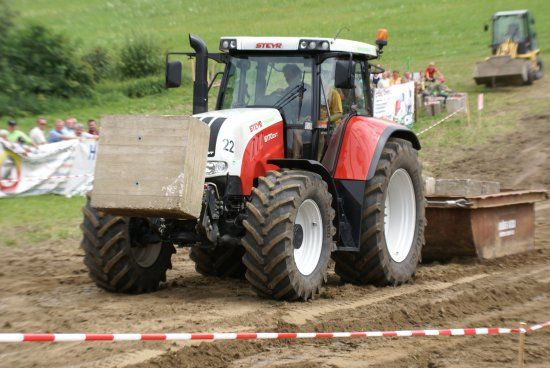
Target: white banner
(64, 168)
(395, 103)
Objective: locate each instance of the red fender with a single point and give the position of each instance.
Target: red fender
(362, 146)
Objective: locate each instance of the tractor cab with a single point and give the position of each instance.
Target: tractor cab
(310, 84)
(516, 26)
(313, 83)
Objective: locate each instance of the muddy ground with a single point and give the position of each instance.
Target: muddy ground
(45, 288)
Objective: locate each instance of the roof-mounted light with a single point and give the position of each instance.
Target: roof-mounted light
(381, 38)
(314, 45)
(227, 44)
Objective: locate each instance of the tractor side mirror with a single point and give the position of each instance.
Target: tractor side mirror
(343, 74)
(173, 74)
(486, 27)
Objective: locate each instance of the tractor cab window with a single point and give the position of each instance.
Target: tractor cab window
(282, 82)
(336, 104)
(359, 103)
(510, 27)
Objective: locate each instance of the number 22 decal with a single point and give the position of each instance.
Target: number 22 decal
(229, 145)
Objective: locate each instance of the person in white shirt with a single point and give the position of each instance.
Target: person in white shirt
(37, 133)
(69, 128)
(80, 133)
(384, 82)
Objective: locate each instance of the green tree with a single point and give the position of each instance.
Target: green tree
(46, 63)
(140, 57)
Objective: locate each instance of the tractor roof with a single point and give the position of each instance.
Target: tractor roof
(297, 44)
(510, 12)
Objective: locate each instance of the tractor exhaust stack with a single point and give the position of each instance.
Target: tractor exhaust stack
(200, 86)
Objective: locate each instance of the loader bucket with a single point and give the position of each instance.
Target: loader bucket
(501, 70)
(486, 226)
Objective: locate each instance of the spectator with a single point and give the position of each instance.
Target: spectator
(406, 77)
(395, 79)
(56, 134)
(438, 89)
(37, 133)
(68, 129)
(80, 133)
(92, 127)
(17, 136)
(385, 81)
(431, 71)
(4, 134)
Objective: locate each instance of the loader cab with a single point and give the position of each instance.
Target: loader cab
(516, 26)
(316, 84)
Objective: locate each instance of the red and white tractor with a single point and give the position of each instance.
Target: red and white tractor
(298, 172)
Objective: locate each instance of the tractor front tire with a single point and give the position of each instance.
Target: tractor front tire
(116, 259)
(393, 221)
(219, 261)
(540, 72)
(289, 235)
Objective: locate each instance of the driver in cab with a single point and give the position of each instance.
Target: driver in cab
(296, 110)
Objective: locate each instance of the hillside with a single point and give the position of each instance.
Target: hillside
(448, 32)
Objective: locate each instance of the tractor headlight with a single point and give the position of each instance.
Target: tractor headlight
(216, 168)
(227, 44)
(314, 45)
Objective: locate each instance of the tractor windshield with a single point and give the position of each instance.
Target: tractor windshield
(510, 27)
(270, 80)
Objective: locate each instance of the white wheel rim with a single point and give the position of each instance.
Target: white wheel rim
(146, 256)
(400, 215)
(308, 251)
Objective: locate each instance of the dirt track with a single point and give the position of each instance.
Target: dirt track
(45, 288)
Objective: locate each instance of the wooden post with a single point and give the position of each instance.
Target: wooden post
(467, 109)
(521, 352)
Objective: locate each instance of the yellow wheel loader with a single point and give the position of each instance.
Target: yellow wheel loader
(515, 54)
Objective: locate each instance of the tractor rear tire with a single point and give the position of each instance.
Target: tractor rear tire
(385, 259)
(116, 260)
(219, 261)
(288, 235)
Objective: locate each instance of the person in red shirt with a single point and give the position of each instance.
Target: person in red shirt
(431, 71)
(92, 127)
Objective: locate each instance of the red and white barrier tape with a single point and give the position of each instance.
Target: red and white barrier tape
(55, 177)
(68, 337)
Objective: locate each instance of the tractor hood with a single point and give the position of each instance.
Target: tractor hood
(231, 131)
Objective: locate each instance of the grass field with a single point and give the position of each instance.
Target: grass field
(448, 32)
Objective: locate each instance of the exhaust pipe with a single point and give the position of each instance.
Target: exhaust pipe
(200, 86)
